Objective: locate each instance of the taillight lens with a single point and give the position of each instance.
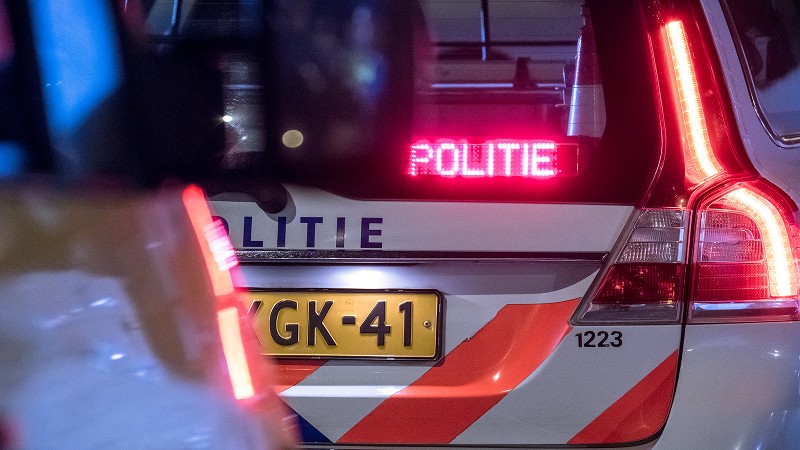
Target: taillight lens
(744, 242)
(640, 284)
(220, 259)
(701, 163)
(645, 282)
(745, 258)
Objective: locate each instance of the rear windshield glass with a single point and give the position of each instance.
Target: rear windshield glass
(502, 100)
(498, 78)
(768, 35)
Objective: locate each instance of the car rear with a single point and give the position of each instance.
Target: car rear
(565, 245)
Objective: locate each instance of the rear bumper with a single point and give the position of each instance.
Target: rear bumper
(738, 388)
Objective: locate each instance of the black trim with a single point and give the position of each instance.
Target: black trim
(314, 256)
(489, 43)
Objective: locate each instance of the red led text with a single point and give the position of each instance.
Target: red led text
(501, 158)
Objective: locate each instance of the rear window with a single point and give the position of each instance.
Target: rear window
(499, 100)
(496, 94)
(497, 110)
(768, 36)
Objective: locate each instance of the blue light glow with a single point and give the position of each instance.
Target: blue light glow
(78, 54)
(12, 159)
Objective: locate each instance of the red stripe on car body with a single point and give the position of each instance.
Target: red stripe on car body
(470, 380)
(291, 372)
(638, 414)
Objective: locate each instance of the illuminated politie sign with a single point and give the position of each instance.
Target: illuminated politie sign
(494, 158)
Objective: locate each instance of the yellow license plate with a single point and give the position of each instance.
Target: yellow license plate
(348, 324)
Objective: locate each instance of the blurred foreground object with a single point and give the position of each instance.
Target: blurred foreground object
(119, 323)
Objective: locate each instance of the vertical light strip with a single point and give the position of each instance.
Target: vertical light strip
(490, 169)
(775, 238)
(483, 36)
(194, 201)
(210, 237)
(235, 356)
(701, 164)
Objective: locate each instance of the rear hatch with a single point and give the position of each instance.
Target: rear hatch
(507, 267)
(491, 342)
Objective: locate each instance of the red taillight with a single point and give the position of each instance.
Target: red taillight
(645, 281)
(743, 264)
(745, 258)
(701, 163)
(219, 260)
(641, 284)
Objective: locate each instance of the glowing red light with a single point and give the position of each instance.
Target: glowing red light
(500, 157)
(701, 163)
(220, 259)
(235, 356)
(770, 247)
(214, 243)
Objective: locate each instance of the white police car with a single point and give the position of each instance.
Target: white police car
(525, 223)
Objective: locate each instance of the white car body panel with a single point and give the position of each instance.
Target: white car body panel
(573, 380)
(417, 226)
(738, 388)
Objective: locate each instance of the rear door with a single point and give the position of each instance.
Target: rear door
(503, 268)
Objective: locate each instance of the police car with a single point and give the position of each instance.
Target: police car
(119, 323)
(525, 223)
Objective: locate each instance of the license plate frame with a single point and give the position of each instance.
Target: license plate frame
(413, 314)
